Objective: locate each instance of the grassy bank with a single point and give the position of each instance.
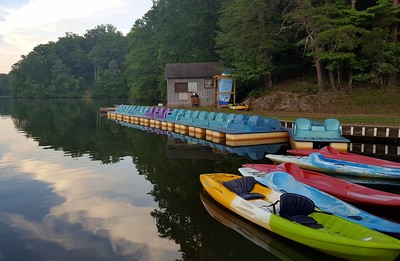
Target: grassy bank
(368, 119)
(360, 105)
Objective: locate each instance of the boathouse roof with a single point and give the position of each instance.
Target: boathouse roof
(192, 70)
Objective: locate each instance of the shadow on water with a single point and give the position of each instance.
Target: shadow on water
(169, 162)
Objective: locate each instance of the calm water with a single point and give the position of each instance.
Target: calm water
(77, 186)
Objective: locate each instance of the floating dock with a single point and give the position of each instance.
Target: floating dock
(231, 129)
(221, 128)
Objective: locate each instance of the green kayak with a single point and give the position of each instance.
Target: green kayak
(327, 233)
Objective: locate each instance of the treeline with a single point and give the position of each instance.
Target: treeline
(4, 87)
(261, 41)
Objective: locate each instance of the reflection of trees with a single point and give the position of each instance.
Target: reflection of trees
(74, 127)
(181, 216)
(70, 125)
(5, 104)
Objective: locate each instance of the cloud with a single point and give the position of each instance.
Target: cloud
(106, 201)
(39, 21)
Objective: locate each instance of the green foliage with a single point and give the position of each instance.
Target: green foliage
(249, 38)
(73, 64)
(171, 32)
(185, 30)
(4, 88)
(141, 63)
(262, 42)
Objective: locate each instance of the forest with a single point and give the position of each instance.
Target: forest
(340, 43)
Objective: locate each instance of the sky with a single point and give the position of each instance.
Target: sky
(25, 24)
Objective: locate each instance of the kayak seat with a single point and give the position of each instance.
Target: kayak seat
(297, 208)
(242, 187)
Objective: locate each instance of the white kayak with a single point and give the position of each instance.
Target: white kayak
(318, 162)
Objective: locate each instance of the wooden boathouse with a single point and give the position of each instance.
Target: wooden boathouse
(184, 79)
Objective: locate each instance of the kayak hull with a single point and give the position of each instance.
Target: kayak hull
(332, 153)
(282, 181)
(338, 237)
(339, 188)
(317, 162)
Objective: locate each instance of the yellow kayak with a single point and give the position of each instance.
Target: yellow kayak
(282, 248)
(327, 233)
(240, 107)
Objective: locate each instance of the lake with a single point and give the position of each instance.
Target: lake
(78, 186)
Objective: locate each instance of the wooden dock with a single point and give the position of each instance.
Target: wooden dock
(365, 131)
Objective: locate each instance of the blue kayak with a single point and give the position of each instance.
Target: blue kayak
(318, 162)
(284, 182)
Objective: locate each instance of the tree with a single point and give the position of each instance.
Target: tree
(108, 46)
(142, 67)
(185, 30)
(4, 89)
(249, 38)
(172, 31)
(312, 18)
(339, 42)
(379, 55)
(393, 80)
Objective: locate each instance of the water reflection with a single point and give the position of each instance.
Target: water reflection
(389, 151)
(75, 204)
(187, 143)
(278, 246)
(74, 185)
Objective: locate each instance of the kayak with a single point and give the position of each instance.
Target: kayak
(318, 162)
(282, 181)
(239, 107)
(347, 191)
(327, 233)
(280, 247)
(331, 153)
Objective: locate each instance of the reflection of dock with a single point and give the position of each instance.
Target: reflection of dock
(107, 109)
(179, 149)
(181, 146)
(384, 151)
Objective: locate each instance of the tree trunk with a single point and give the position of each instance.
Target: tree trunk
(350, 82)
(353, 4)
(332, 81)
(95, 72)
(269, 79)
(393, 81)
(318, 68)
(320, 77)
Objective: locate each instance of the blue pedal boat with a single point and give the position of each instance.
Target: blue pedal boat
(308, 134)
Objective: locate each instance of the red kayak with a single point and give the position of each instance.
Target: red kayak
(339, 188)
(329, 152)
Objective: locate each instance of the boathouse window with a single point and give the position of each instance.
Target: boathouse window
(181, 87)
(209, 84)
(192, 86)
